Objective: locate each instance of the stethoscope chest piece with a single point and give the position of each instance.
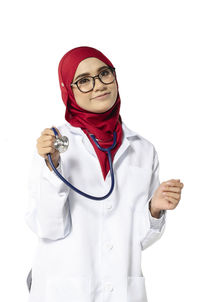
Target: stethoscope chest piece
(61, 143)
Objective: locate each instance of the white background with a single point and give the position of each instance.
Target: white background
(155, 48)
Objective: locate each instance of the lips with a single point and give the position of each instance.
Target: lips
(101, 95)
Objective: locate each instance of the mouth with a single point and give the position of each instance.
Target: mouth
(101, 96)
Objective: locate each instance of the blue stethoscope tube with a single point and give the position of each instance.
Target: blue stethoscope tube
(110, 164)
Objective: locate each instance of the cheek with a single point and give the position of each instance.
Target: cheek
(115, 90)
(76, 94)
(81, 98)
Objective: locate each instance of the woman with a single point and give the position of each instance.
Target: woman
(90, 250)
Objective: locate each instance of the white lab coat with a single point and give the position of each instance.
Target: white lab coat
(90, 251)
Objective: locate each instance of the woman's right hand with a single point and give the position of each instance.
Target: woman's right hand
(45, 145)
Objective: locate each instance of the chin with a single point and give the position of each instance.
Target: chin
(102, 110)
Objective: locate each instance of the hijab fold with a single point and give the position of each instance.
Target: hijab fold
(102, 125)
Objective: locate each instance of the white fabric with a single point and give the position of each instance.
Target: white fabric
(90, 251)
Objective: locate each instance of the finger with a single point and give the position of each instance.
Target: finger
(47, 150)
(48, 131)
(49, 138)
(173, 184)
(174, 195)
(171, 189)
(173, 181)
(45, 139)
(57, 131)
(45, 144)
(172, 200)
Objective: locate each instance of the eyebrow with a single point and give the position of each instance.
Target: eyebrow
(87, 73)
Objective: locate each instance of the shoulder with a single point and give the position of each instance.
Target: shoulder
(63, 128)
(137, 139)
(68, 130)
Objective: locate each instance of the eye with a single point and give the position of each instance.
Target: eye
(83, 81)
(105, 72)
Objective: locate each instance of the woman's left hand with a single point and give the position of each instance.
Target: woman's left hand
(166, 197)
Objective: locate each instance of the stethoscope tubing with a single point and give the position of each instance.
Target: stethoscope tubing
(110, 164)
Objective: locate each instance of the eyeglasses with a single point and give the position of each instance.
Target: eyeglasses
(86, 84)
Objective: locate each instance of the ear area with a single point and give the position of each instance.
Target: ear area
(63, 88)
(64, 93)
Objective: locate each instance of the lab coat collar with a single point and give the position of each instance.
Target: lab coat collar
(77, 130)
(127, 135)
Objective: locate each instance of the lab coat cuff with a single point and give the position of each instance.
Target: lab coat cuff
(157, 223)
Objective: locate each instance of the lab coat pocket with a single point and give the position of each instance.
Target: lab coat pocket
(73, 289)
(136, 289)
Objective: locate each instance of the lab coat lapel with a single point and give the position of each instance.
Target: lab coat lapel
(124, 146)
(127, 134)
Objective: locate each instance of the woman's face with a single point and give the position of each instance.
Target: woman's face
(89, 100)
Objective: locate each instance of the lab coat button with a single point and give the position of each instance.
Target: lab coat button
(108, 287)
(109, 206)
(109, 246)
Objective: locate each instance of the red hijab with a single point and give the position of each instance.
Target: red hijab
(101, 125)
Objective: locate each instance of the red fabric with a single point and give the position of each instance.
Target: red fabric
(101, 125)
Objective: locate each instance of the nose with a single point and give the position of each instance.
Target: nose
(97, 83)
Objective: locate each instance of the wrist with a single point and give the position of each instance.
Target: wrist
(154, 212)
(54, 163)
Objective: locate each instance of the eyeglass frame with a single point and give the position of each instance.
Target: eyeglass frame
(94, 77)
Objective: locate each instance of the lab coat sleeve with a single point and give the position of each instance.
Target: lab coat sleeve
(152, 228)
(48, 212)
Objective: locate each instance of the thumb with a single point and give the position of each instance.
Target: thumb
(57, 131)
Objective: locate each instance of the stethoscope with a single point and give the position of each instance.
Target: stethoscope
(61, 144)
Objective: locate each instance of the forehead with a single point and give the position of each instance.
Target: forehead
(89, 65)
